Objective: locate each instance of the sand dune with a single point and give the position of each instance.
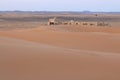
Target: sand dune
(43, 54)
(95, 41)
(28, 60)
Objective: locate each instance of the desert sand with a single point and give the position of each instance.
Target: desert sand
(32, 50)
(46, 53)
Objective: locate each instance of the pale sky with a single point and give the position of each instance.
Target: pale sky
(60, 5)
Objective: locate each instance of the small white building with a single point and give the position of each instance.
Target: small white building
(52, 21)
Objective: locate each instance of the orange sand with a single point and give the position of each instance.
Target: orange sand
(43, 54)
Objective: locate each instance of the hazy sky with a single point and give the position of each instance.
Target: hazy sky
(60, 5)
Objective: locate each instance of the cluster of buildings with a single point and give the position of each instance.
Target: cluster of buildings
(53, 21)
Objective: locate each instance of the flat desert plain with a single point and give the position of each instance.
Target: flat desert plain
(59, 52)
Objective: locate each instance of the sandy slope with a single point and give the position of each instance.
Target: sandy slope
(95, 41)
(22, 60)
(37, 54)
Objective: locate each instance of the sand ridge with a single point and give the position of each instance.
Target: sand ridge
(100, 41)
(44, 54)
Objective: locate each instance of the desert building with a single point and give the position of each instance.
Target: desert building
(103, 24)
(89, 23)
(52, 21)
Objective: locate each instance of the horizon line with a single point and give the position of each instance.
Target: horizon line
(87, 11)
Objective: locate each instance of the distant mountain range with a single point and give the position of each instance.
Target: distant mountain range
(60, 12)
